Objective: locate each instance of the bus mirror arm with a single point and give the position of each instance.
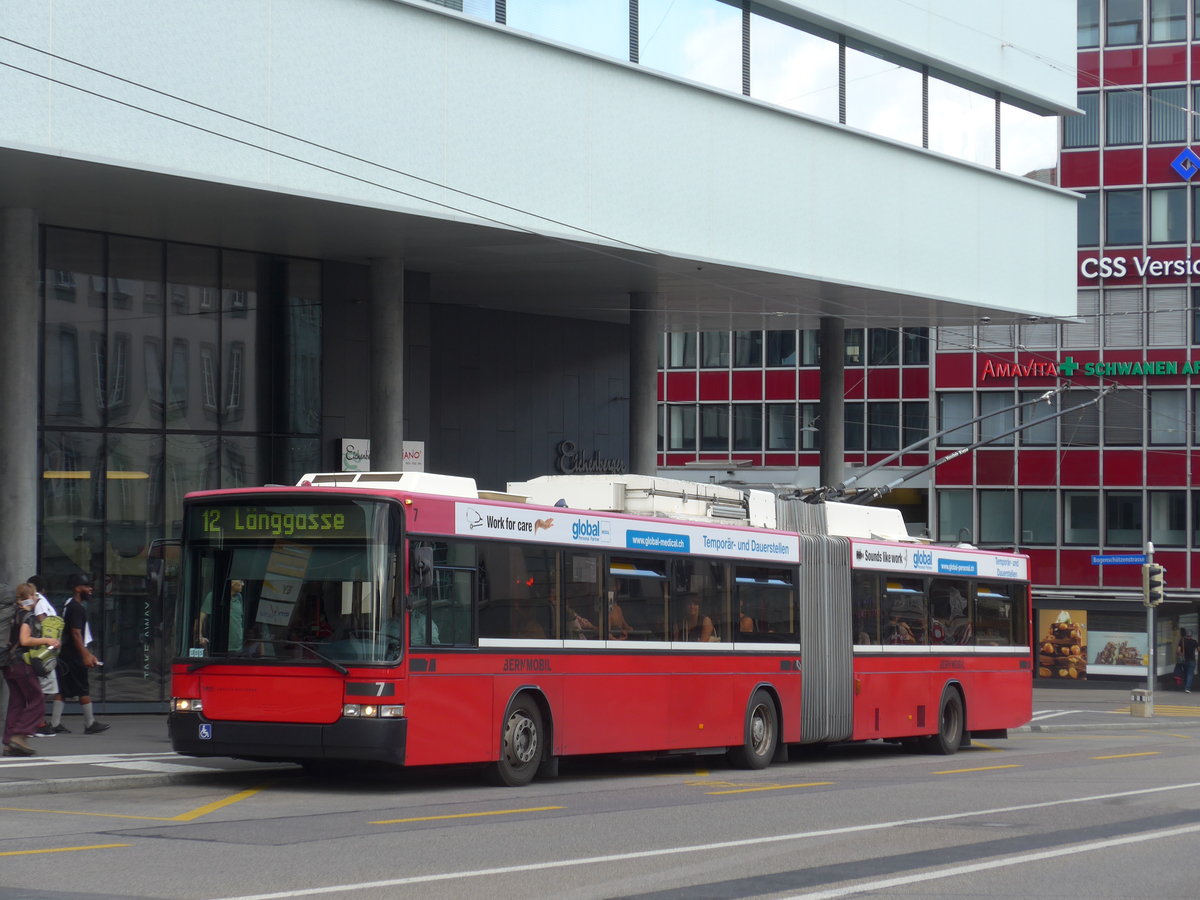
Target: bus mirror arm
(421, 574)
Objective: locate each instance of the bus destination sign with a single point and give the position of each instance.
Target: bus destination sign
(290, 521)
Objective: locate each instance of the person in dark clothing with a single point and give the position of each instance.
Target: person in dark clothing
(1187, 652)
(75, 659)
(25, 701)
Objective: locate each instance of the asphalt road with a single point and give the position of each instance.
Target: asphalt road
(1103, 804)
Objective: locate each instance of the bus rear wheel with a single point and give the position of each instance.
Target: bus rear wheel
(521, 739)
(951, 724)
(762, 734)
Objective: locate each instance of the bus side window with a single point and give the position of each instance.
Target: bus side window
(995, 621)
(583, 613)
(904, 610)
(865, 600)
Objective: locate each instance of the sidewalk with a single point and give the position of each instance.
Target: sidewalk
(135, 751)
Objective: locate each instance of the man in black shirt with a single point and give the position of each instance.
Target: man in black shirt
(1187, 650)
(75, 658)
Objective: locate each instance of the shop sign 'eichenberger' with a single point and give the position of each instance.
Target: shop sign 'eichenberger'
(1142, 266)
(1068, 368)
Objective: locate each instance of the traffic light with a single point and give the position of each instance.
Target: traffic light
(1153, 583)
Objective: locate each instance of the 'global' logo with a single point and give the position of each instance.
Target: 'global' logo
(583, 530)
(922, 559)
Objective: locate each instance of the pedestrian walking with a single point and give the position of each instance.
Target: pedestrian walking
(26, 705)
(49, 682)
(75, 660)
(1187, 652)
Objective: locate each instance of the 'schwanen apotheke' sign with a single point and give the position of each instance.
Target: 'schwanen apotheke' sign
(1068, 368)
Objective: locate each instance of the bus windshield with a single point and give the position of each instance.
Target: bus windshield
(291, 581)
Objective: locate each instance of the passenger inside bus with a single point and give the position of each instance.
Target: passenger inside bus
(692, 624)
(905, 614)
(950, 620)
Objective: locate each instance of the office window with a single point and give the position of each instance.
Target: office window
(1087, 24)
(1080, 427)
(883, 96)
(915, 423)
(1124, 22)
(781, 426)
(1168, 416)
(1168, 215)
(1168, 518)
(774, 48)
(681, 350)
(1000, 417)
(747, 426)
(1036, 333)
(1168, 115)
(747, 349)
(996, 517)
(955, 409)
(1167, 319)
(956, 337)
(1081, 518)
(962, 122)
(810, 426)
(1123, 518)
(781, 348)
(853, 426)
(1087, 217)
(1123, 318)
(916, 346)
(883, 346)
(1038, 429)
(714, 427)
(1123, 122)
(955, 520)
(1168, 20)
(1084, 130)
(1123, 419)
(883, 426)
(810, 347)
(681, 428)
(714, 349)
(1085, 332)
(1039, 517)
(854, 346)
(1123, 217)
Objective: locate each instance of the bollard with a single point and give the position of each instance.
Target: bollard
(1141, 703)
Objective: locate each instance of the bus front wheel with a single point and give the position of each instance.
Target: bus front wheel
(521, 739)
(762, 734)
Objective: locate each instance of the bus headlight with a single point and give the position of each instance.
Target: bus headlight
(186, 704)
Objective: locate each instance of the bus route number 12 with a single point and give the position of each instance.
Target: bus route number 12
(212, 520)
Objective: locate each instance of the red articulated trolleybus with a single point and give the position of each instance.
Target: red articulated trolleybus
(414, 620)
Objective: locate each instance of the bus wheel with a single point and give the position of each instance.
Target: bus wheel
(951, 723)
(762, 734)
(520, 745)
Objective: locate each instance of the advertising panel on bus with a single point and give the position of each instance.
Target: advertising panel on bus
(938, 561)
(575, 529)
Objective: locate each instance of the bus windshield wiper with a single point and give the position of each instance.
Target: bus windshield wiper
(321, 656)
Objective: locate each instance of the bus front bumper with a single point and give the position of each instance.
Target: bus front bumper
(365, 740)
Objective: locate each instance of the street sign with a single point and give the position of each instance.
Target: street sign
(1119, 559)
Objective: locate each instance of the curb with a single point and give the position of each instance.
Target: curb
(1131, 722)
(84, 783)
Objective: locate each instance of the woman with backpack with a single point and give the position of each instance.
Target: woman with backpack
(25, 702)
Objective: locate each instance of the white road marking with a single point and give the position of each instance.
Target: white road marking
(1002, 862)
(1050, 714)
(726, 845)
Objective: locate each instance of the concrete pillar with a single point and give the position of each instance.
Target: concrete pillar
(833, 401)
(386, 322)
(644, 336)
(19, 472)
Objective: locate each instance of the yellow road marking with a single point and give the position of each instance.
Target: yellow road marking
(1128, 755)
(495, 812)
(773, 787)
(67, 812)
(980, 769)
(62, 849)
(182, 817)
(975, 745)
(219, 804)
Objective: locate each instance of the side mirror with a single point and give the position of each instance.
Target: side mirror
(421, 572)
(162, 569)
